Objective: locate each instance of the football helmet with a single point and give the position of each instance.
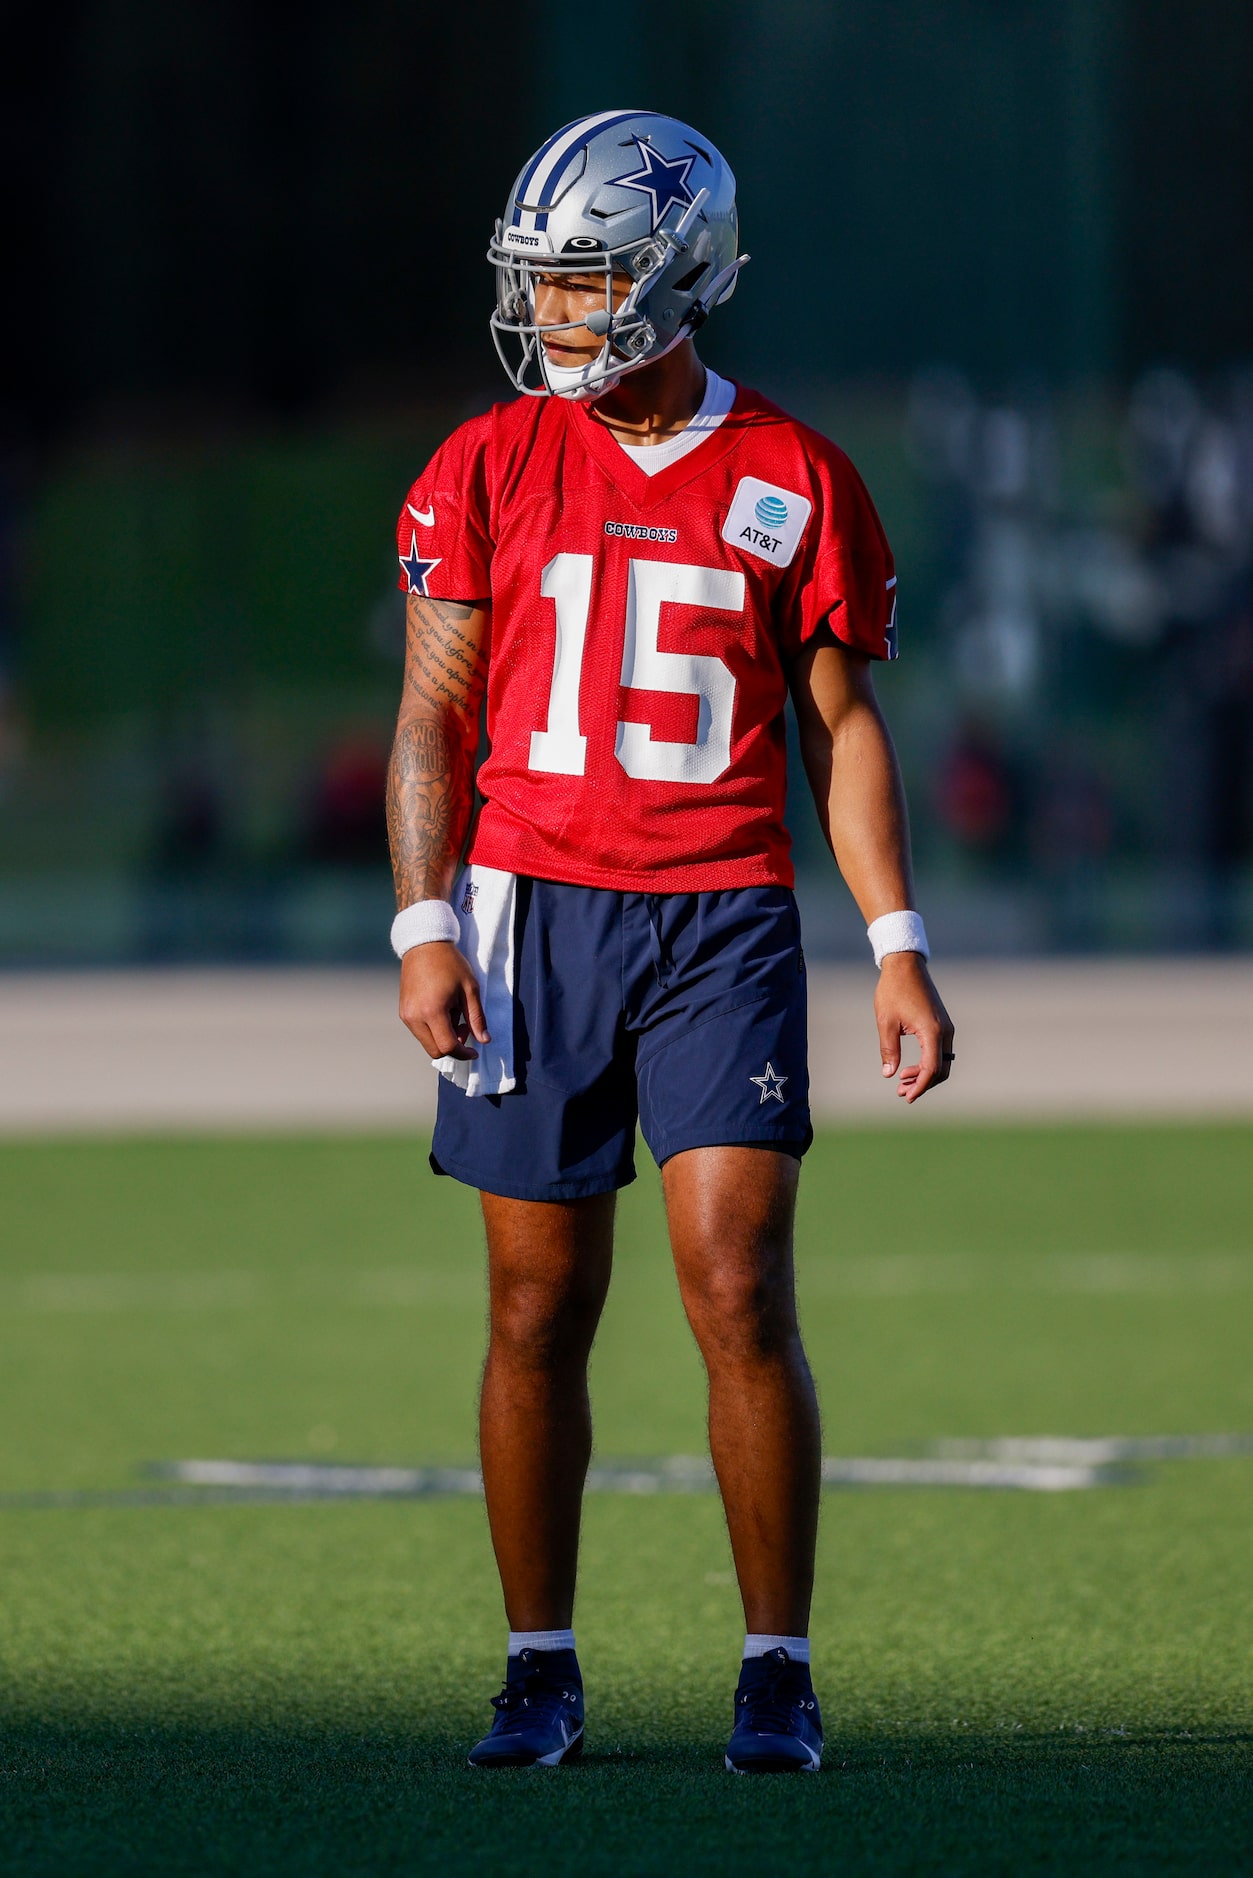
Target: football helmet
(626, 193)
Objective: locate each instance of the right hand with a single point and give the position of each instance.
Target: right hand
(439, 1000)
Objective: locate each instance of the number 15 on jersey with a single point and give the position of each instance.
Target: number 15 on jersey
(561, 749)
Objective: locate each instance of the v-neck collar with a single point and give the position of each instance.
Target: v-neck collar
(643, 491)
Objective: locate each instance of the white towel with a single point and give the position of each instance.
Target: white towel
(485, 901)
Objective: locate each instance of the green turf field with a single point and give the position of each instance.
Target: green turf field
(1012, 1681)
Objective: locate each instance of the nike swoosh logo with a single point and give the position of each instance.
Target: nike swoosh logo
(427, 517)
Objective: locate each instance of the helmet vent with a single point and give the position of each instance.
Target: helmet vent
(690, 279)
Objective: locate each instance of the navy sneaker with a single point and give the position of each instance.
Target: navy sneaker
(539, 1713)
(778, 1729)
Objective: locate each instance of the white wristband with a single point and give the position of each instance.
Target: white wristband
(897, 932)
(423, 922)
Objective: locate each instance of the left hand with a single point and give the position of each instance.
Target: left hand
(907, 1004)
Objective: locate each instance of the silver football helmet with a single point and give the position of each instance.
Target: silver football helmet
(630, 193)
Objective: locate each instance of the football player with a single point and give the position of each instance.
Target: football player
(631, 566)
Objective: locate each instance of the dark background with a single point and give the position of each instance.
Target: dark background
(278, 209)
(1003, 251)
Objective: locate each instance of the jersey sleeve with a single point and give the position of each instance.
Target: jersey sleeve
(847, 577)
(443, 535)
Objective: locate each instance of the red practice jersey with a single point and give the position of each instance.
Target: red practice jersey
(642, 628)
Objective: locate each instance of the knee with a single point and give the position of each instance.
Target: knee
(743, 1311)
(533, 1327)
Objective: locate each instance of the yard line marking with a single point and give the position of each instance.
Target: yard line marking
(1030, 1463)
(329, 1481)
(1028, 1476)
(1099, 1451)
(886, 1276)
(137, 1291)
(679, 1474)
(926, 1274)
(215, 1290)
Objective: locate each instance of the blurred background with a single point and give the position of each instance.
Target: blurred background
(1003, 253)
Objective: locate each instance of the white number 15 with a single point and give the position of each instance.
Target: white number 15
(561, 749)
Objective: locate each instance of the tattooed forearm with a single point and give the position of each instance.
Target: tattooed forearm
(430, 782)
(428, 810)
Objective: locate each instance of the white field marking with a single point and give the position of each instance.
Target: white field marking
(1102, 1451)
(407, 1285)
(136, 1291)
(680, 1474)
(924, 1274)
(303, 1477)
(1029, 1476)
(1034, 1464)
(889, 1275)
(1210, 1274)
(397, 1286)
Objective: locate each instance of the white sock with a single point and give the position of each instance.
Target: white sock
(756, 1643)
(540, 1640)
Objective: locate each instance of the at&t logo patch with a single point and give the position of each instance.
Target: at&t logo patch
(766, 521)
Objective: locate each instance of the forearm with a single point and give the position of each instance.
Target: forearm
(856, 783)
(430, 780)
(430, 793)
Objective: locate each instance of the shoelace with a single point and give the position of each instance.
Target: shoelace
(771, 1708)
(530, 1701)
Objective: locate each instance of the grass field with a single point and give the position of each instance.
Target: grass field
(1012, 1682)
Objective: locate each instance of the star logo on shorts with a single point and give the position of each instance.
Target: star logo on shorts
(771, 1085)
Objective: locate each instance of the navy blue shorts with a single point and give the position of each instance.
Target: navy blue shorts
(684, 1009)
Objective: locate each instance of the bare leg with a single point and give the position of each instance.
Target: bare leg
(549, 1268)
(731, 1213)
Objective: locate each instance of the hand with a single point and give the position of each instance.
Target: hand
(439, 1000)
(907, 1004)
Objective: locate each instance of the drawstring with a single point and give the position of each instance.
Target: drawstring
(663, 962)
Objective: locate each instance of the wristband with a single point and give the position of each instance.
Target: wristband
(897, 932)
(423, 922)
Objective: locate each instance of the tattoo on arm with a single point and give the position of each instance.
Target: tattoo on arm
(445, 663)
(428, 809)
(430, 782)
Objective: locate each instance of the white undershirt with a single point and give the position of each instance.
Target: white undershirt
(717, 401)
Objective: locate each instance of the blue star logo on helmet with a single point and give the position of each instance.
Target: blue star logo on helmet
(662, 178)
(770, 512)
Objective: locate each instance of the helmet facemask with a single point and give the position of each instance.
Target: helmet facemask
(631, 337)
(517, 328)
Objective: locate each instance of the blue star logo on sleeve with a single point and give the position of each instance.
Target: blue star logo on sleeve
(416, 569)
(662, 178)
(771, 1085)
